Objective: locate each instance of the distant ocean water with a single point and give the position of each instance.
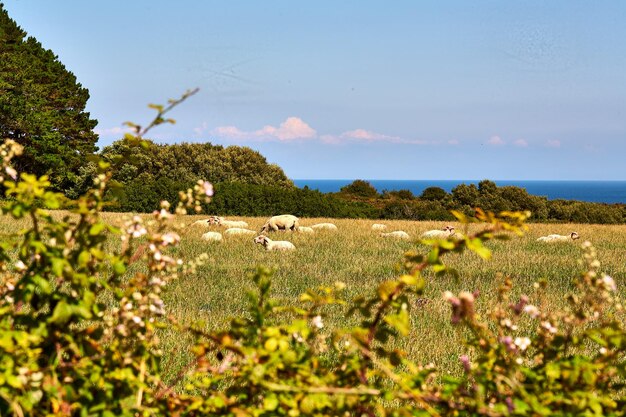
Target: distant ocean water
(593, 191)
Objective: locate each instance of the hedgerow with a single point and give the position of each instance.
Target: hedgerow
(80, 320)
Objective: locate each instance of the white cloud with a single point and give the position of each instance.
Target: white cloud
(117, 131)
(362, 135)
(553, 143)
(496, 141)
(292, 128)
(201, 129)
(521, 143)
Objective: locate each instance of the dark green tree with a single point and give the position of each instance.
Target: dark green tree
(189, 162)
(42, 107)
(434, 194)
(360, 188)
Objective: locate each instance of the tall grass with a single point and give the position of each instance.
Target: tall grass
(358, 257)
(361, 259)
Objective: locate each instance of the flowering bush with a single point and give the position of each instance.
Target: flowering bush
(79, 331)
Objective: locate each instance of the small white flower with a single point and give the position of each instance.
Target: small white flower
(207, 188)
(20, 266)
(522, 343)
(603, 351)
(448, 296)
(317, 322)
(549, 327)
(531, 310)
(11, 172)
(170, 238)
(609, 283)
(137, 319)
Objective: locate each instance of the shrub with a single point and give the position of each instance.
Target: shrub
(433, 193)
(360, 188)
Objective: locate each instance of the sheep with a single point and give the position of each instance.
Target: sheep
(304, 229)
(399, 234)
(238, 231)
(324, 226)
(203, 222)
(377, 226)
(282, 222)
(270, 244)
(445, 233)
(559, 238)
(212, 236)
(220, 221)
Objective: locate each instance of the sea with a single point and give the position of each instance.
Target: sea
(592, 191)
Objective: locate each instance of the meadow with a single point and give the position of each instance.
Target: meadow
(358, 257)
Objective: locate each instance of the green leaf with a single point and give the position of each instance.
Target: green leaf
(386, 289)
(58, 265)
(61, 314)
(270, 402)
(553, 371)
(400, 321)
(96, 229)
(84, 258)
(119, 268)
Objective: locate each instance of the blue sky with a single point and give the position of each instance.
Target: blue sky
(361, 89)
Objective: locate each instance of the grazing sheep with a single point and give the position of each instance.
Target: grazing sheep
(282, 222)
(203, 222)
(239, 231)
(445, 233)
(270, 244)
(559, 238)
(220, 221)
(212, 236)
(324, 226)
(398, 234)
(304, 229)
(377, 226)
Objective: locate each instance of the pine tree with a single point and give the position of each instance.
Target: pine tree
(42, 107)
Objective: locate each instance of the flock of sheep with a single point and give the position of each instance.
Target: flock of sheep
(289, 222)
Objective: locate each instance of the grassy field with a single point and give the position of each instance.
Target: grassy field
(361, 259)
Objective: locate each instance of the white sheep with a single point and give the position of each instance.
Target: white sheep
(239, 231)
(304, 229)
(203, 222)
(282, 222)
(270, 244)
(377, 226)
(324, 226)
(444, 233)
(212, 236)
(398, 234)
(559, 238)
(220, 221)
